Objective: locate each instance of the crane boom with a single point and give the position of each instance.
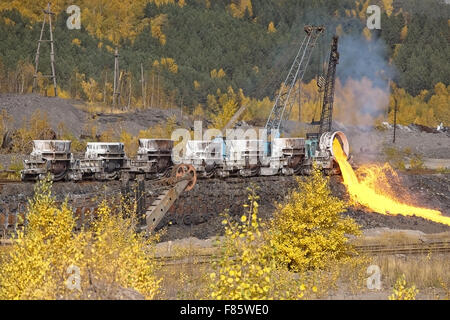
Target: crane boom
(326, 117)
(296, 73)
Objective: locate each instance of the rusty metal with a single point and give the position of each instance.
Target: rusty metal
(183, 179)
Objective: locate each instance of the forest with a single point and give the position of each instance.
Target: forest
(207, 57)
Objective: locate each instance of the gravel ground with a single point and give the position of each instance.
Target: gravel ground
(197, 213)
(58, 110)
(371, 142)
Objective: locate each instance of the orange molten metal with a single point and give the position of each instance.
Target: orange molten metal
(376, 198)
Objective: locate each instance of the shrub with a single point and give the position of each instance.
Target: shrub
(110, 256)
(247, 268)
(308, 231)
(416, 163)
(402, 292)
(244, 268)
(36, 128)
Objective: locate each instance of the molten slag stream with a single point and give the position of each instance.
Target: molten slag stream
(365, 195)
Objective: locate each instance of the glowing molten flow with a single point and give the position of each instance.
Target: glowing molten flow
(364, 193)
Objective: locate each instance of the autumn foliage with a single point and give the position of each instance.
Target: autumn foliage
(308, 231)
(112, 259)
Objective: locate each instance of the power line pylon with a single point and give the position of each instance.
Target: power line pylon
(116, 93)
(47, 14)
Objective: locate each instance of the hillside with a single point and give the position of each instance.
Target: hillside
(191, 49)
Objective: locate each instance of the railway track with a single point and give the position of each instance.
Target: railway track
(6, 181)
(439, 247)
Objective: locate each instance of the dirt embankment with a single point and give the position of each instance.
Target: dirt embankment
(368, 142)
(197, 213)
(74, 117)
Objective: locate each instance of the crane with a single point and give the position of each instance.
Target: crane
(296, 73)
(326, 117)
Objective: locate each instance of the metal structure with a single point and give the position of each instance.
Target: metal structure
(47, 15)
(48, 157)
(326, 117)
(153, 160)
(116, 89)
(240, 155)
(395, 119)
(183, 179)
(102, 161)
(296, 73)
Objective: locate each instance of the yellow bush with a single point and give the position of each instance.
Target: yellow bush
(402, 292)
(198, 112)
(36, 128)
(160, 131)
(246, 268)
(308, 231)
(130, 142)
(64, 134)
(118, 255)
(109, 255)
(416, 163)
(36, 266)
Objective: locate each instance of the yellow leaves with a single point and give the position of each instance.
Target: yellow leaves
(109, 252)
(121, 254)
(367, 34)
(156, 26)
(238, 9)
(170, 64)
(388, 7)
(404, 32)
(167, 63)
(243, 269)
(217, 74)
(181, 3)
(307, 230)
(91, 90)
(76, 42)
(35, 128)
(227, 104)
(271, 27)
(9, 22)
(402, 292)
(221, 74)
(420, 111)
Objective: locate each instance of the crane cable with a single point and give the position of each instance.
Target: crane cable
(321, 71)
